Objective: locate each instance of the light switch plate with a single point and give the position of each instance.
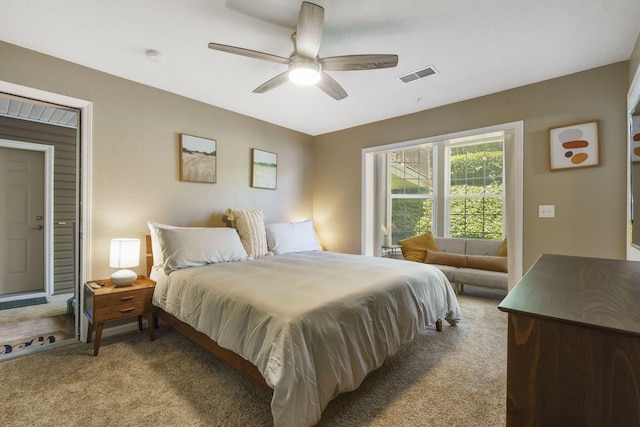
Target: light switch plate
(546, 211)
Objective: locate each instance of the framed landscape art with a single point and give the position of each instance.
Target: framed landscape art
(197, 159)
(264, 169)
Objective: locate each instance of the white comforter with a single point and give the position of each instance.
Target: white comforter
(313, 323)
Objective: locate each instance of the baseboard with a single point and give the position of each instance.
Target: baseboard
(122, 328)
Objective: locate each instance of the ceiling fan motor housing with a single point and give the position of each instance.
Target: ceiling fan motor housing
(304, 71)
(305, 66)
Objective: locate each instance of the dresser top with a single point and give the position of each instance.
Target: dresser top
(595, 292)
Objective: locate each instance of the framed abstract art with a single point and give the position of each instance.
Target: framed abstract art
(574, 146)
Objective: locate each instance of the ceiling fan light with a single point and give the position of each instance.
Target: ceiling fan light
(304, 73)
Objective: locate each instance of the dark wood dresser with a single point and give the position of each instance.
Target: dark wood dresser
(573, 354)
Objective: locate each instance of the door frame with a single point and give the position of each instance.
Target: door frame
(48, 151)
(85, 144)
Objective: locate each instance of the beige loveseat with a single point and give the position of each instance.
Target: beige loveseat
(487, 276)
(473, 262)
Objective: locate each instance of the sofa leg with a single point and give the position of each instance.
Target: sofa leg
(459, 288)
(439, 325)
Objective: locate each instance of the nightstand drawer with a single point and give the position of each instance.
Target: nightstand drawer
(128, 297)
(121, 311)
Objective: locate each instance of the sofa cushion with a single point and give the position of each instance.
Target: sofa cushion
(503, 248)
(482, 262)
(450, 244)
(415, 248)
(482, 247)
(444, 258)
(483, 278)
(487, 262)
(448, 270)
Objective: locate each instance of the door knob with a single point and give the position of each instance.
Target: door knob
(38, 228)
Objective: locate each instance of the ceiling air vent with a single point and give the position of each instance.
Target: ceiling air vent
(419, 74)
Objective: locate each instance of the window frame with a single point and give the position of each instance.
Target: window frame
(514, 186)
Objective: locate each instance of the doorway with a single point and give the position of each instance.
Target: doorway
(67, 240)
(33, 300)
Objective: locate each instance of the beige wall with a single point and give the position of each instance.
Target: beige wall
(135, 154)
(634, 61)
(135, 158)
(590, 203)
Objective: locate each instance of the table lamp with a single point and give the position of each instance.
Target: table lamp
(124, 253)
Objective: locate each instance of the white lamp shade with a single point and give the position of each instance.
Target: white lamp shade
(124, 253)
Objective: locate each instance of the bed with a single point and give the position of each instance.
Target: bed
(306, 324)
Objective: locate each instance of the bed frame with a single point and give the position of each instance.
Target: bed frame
(234, 360)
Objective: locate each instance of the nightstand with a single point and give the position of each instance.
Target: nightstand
(109, 302)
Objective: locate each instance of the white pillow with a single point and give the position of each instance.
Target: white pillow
(156, 250)
(250, 226)
(292, 237)
(190, 247)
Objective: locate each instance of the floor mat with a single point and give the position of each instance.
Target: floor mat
(37, 327)
(4, 305)
(31, 342)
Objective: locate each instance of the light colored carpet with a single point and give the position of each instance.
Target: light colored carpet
(453, 378)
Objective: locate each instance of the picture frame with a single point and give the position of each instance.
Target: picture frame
(574, 146)
(198, 159)
(635, 139)
(264, 169)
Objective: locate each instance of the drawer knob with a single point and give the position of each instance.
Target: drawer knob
(126, 310)
(123, 299)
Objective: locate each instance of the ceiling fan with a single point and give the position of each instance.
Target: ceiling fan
(305, 66)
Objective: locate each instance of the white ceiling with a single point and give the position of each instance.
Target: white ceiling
(477, 47)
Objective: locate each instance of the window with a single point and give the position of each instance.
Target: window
(410, 174)
(475, 191)
(470, 188)
(432, 192)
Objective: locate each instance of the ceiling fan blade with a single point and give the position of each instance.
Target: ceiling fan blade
(358, 62)
(250, 53)
(309, 31)
(274, 82)
(331, 87)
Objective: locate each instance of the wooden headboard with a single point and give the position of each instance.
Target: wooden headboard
(149, 253)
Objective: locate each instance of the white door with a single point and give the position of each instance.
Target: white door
(24, 219)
